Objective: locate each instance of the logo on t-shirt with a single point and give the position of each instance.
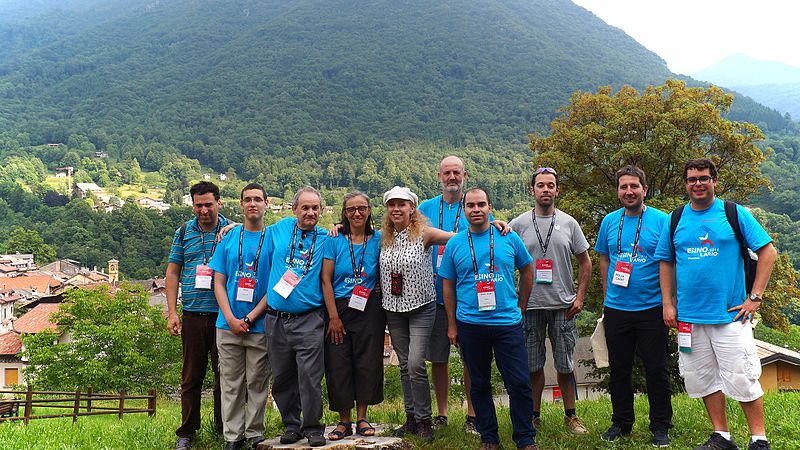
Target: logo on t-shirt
(498, 277)
(640, 256)
(351, 280)
(300, 260)
(248, 270)
(706, 247)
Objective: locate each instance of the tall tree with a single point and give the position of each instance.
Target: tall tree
(21, 240)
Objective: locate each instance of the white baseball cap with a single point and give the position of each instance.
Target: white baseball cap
(403, 193)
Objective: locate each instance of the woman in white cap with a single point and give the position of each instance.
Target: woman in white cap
(409, 299)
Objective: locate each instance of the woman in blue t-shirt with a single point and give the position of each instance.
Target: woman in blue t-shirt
(356, 321)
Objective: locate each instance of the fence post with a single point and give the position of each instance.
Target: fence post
(28, 403)
(77, 407)
(151, 402)
(89, 399)
(121, 402)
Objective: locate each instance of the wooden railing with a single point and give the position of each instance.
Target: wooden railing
(81, 403)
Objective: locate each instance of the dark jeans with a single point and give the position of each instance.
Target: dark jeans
(627, 331)
(477, 343)
(198, 334)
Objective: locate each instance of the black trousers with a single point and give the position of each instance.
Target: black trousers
(354, 368)
(627, 332)
(198, 335)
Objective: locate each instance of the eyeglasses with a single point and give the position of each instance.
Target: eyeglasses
(546, 170)
(353, 209)
(705, 179)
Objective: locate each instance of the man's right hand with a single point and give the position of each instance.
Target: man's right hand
(670, 316)
(174, 324)
(452, 334)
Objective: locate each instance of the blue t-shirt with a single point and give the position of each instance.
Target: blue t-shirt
(308, 292)
(643, 291)
(338, 250)
(226, 261)
(430, 208)
(509, 252)
(195, 249)
(708, 263)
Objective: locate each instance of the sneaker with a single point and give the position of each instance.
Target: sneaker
(660, 438)
(425, 430)
(183, 443)
(290, 437)
(439, 422)
(252, 443)
(614, 432)
(235, 445)
(469, 425)
(316, 439)
(575, 425)
(537, 422)
(717, 442)
(410, 427)
(759, 445)
(489, 446)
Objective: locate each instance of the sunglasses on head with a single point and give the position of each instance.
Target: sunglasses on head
(546, 170)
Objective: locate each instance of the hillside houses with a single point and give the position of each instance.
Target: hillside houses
(83, 190)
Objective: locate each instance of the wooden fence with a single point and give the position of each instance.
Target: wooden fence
(81, 403)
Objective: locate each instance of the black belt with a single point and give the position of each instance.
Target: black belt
(288, 315)
(200, 314)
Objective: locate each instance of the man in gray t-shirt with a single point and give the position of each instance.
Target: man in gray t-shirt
(552, 238)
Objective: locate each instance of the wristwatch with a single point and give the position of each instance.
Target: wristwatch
(755, 298)
(250, 322)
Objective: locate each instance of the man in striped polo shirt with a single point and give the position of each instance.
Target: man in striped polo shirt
(192, 247)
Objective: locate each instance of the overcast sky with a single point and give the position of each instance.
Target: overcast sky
(692, 35)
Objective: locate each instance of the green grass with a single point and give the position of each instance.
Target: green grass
(137, 431)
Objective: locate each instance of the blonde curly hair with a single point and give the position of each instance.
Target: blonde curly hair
(416, 225)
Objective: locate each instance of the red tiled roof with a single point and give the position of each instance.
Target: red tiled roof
(10, 343)
(41, 283)
(7, 268)
(37, 319)
(10, 299)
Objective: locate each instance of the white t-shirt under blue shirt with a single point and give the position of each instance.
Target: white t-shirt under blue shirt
(509, 253)
(307, 294)
(708, 263)
(643, 291)
(338, 250)
(226, 261)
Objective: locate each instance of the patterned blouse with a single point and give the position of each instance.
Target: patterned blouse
(413, 261)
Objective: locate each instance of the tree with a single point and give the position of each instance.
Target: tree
(117, 341)
(29, 241)
(657, 130)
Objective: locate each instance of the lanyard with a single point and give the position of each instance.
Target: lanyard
(441, 216)
(310, 251)
(546, 243)
(357, 270)
(635, 238)
(491, 253)
(213, 246)
(258, 251)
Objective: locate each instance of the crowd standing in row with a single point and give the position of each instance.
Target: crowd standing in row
(293, 302)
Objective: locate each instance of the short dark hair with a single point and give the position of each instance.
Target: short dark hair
(632, 171)
(700, 164)
(204, 187)
(488, 198)
(253, 186)
(346, 222)
(543, 171)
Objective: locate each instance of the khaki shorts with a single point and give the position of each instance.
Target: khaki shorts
(723, 358)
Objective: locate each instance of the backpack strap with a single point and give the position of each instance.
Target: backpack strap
(733, 220)
(673, 225)
(182, 233)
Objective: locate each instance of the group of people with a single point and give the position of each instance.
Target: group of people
(293, 302)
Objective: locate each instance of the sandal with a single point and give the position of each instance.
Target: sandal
(366, 430)
(337, 434)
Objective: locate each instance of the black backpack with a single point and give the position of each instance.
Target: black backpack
(750, 262)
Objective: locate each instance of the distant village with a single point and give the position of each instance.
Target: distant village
(30, 294)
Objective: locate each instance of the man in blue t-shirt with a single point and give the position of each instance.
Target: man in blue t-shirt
(632, 312)
(714, 313)
(445, 212)
(187, 271)
(295, 320)
(485, 316)
(241, 264)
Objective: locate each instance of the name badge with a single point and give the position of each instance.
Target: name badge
(358, 300)
(439, 255)
(202, 277)
(685, 337)
(245, 289)
(544, 271)
(622, 274)
(287, 283)
(486, 298)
